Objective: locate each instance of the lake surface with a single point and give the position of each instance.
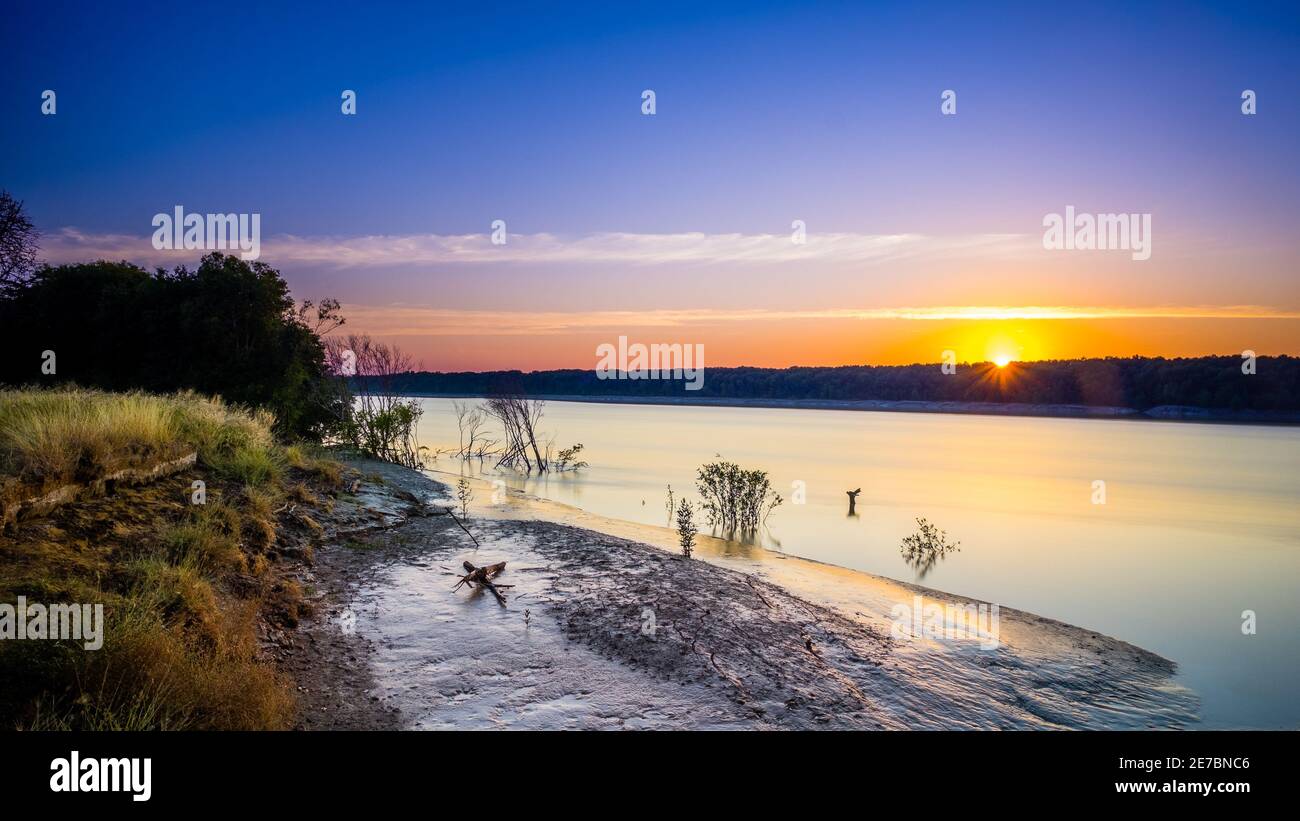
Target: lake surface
(1199, 523)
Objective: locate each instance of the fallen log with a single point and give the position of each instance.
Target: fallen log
(482, 577)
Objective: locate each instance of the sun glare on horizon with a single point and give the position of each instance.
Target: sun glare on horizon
(1005, 345)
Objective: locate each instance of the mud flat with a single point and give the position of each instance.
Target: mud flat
(608, 632)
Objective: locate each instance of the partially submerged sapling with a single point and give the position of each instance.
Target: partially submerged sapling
(464, 493)
(686, 528)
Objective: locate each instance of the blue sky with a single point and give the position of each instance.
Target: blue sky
(766, 113)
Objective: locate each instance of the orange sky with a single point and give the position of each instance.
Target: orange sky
(543, 302)
(836, 341)
(845, 302)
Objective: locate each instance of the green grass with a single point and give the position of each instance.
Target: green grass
(208, 541)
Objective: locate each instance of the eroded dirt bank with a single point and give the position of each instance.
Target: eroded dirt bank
(603, 632)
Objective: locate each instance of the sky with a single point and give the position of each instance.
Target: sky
(923, 231)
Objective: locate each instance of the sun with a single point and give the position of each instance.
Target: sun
(1004, 346)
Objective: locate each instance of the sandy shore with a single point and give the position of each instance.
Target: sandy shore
(605, 632)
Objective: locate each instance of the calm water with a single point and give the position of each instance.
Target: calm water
(1200, 522)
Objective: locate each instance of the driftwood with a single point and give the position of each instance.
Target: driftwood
(467, 533)
(446, 511)
(853, 501)
(481, 577)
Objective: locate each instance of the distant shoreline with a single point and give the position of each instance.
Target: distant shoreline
(1162, 413)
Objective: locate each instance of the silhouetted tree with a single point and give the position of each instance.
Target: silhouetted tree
(227, 328)
(18, 243)
(375, 419)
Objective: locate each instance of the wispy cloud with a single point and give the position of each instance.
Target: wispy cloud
(415, 320)
(73, 245)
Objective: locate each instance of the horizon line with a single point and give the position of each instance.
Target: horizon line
(961, 363)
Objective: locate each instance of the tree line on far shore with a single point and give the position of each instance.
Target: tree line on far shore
(1140, 383)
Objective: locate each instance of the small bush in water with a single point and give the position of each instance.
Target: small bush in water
(735, 498)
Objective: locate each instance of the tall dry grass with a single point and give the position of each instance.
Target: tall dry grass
(74, 434)
(180, 646)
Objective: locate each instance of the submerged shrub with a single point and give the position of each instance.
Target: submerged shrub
(734, 498)
(926, 547)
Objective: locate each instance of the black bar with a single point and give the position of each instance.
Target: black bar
(533, 771)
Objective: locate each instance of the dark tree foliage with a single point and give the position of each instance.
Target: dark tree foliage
(227, 328)
(1140, 383)
(18, 246)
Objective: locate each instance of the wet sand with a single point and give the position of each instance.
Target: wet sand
(607, 632)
